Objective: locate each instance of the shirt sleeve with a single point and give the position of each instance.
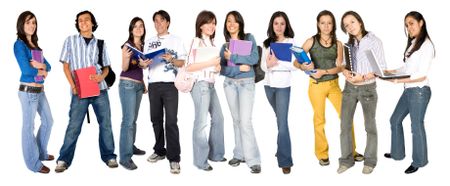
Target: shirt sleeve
(47, 65)
(65, 53)
(106, 60)
(20, 51)
(181, 50)
(426, 55)
(225, 70)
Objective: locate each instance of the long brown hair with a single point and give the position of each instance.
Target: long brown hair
(423, 35)
(333, 30)
(23, 18)
(351, 38)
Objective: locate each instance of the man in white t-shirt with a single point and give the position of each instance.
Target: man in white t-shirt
(163, 94)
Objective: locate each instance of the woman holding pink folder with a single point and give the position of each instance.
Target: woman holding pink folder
(34, 68)
(277, 83)
(239, 86)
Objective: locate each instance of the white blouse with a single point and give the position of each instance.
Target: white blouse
(419, 63)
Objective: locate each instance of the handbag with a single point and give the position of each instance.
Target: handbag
(184, 81)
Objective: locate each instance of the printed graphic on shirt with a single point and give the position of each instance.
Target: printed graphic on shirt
(167, 65)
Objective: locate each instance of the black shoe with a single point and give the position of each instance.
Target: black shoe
(137, 151)
(411, 169)
(387, 155)
(255, 169)
(208, 168)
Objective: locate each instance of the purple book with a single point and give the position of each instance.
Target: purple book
(239, 47)
(37, 56)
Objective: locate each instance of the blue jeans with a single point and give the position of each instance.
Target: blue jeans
(279, 100)
(130, 93)
(414, 101)
(78, 110)
(367, 95)
(240, 94)
(34, 148)
(205, 100)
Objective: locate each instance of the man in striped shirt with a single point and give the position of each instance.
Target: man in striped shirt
(81, 51)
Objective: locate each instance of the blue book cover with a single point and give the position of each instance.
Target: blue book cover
(300, 55)
(152, 55)
(282, 51)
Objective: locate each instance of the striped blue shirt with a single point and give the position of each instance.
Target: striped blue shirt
(81, 55)
(361, 64)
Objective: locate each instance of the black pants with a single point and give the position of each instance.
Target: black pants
(164, 98)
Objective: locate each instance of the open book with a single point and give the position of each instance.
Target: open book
(155, 56)
(85, 86)
(239, 47)
(39, 57)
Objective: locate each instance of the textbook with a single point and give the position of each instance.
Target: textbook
(302, 57)
(39, 57)
(155, 56)
(85, 86)
(239, 47)
(282, 51)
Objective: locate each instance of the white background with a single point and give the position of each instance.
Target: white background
(385, 18)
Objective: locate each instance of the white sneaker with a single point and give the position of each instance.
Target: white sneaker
(175, 167)
(61, 166)
(342, 168)
(155, 157)
(367, 169)
(112, 163)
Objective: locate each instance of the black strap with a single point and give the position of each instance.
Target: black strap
(100, 51)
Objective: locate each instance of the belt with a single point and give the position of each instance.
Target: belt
(31, 89)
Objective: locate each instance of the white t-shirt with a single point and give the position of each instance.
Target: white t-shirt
(166, 71)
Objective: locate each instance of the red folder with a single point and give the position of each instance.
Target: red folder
(85, 86)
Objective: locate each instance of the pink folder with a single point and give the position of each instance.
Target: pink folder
(85, 86)
(239, 47)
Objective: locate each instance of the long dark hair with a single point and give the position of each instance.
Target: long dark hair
(204, 17)
(23, 18)
(333, 31)
(423, 35)
(130, 31)
(271, 33)
(240, 20)
(352, 38)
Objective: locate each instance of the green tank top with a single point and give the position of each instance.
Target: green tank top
(324, 58)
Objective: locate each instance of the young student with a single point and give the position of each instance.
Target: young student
(419, 54)
(206, 144)
(277, 84)
(131, 88)
(326, 56)
(239, 86)
(163, 94)
(31, 94)
(81, 51)
(360, 87)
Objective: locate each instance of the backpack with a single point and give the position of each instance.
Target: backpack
(259, 73)
(111, 77)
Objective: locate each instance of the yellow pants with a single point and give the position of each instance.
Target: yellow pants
(318, 93)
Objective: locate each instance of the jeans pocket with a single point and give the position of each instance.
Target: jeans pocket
(33, 97)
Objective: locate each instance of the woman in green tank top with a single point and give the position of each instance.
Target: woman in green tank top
(326, 56)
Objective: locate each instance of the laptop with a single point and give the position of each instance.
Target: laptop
(378, 71)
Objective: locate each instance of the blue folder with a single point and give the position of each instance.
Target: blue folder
(282, 51)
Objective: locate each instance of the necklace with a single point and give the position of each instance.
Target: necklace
(327, 41)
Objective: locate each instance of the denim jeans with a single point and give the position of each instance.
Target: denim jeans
(78, 110)
(130, 93)
(367, 95)
(414, 101)
(34, 148)
(163, 98)
(205, 100)
(279, 100)
(240, 94)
